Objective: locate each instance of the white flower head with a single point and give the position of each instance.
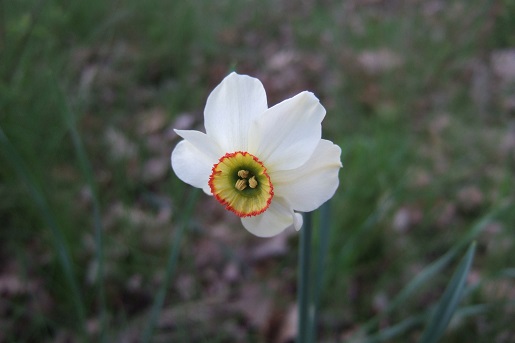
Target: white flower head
(261, 163)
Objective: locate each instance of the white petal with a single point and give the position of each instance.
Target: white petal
(286, 135)
(312, 184)
(192, 165)
(202, 142)
(231, 108)
(272, 222)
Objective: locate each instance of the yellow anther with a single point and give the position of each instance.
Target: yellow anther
(243, 174)
(241, 184)
(253, 182)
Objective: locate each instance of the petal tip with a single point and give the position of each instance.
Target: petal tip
(297, 221)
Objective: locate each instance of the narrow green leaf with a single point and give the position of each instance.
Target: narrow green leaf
(450, 299)
(434, 268)
(411, 322)
(428, 273)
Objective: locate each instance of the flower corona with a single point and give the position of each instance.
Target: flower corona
(240, 182)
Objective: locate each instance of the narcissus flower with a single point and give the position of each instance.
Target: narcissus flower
(264, 164)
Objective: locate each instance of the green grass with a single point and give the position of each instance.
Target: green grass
(86, 235)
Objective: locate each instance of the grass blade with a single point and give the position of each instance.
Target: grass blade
(170, 268)
(87, 171)
(59, 242)
(450, 299)
(12, 64)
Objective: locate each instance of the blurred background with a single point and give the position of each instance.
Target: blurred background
(420, 95)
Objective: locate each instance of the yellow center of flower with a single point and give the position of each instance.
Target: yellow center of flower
(240, 182)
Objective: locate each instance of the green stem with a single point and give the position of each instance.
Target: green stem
(303, 299)
(323, 247)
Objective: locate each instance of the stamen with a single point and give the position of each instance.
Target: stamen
(253, 182)
(241, 184)
(243, 174)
